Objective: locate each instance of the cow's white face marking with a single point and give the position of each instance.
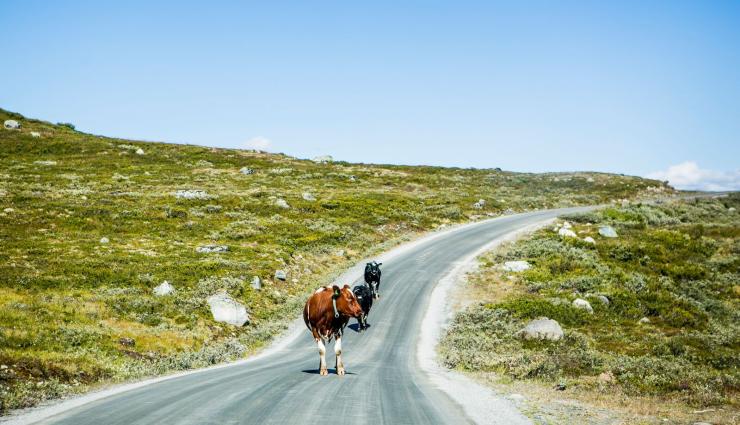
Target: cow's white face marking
(319, 290)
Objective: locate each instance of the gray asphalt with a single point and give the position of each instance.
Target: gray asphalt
(383, 385)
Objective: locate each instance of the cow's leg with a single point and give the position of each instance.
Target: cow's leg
(338, 352)
(322, 356)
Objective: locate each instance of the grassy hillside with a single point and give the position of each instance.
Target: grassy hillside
(89, 225)
(667, 331)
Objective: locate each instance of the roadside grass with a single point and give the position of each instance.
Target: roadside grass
(676, 264)
(77, 312)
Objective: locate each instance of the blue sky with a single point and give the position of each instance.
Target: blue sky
(629, 87)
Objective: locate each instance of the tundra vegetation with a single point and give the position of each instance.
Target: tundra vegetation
(91, 225)
(663, 337)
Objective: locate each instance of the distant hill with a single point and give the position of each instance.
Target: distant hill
(90, 225)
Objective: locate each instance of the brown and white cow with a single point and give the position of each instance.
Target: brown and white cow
(326, 313)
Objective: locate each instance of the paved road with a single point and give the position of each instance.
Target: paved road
(383, 385)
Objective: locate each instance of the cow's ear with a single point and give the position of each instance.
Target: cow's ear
(346, 286)
(336, 291)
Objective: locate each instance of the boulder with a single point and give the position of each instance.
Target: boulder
(323, 159)
(205, 249)
(308, 197)
(604, 300)
(516, 266)
(163, 289)
(567, 225)
(582, 304)
(104, 240)
(193, 194)
(35, 134)
(643, 321)
(607, 232)
(246, 171)
(140, 151)
(280, 275)
(256, 283)
(542, 328)
(280, 202)
(589, 239)
(567, 233)
(227, 310)
(12, 124)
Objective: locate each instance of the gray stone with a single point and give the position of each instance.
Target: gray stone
(323, 159)
(352, 178)
(246, 171)
(589, 239)
(163, 289)
(308, 197)
(567, 233)
(193, 194)
(140, 151)
(604, 300)
(227, 310)
(583, 305)
(12, 124)
(607, 232)
(542, 328)
(643, 321)
(205, 249)
(516, 266)
(104, 240)
(256, 283)
(280, 202)
(280, 275)
(35, 134)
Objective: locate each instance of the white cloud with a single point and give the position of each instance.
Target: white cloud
(260, 143)
(688, 176)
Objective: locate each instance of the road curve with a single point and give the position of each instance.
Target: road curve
(383, 384)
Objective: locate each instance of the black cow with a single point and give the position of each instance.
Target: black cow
(364, 296)
(372, 277)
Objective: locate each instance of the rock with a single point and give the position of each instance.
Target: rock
(308, 197)
(567, 233)
(606, 377)
(8, 210)
(644, 321)
(256, 283)
(583, 305)
(567, 225)
(516, 266)
(352, 178)
(590, 179)
(607, 232)
(589, 239)
(731, 209)
(193, 194)
(280, 202)
(164, 289)
(35, 134)
(604, 300)
(45, 162)
(323, 159)
(205, 249)
(12, 125)
(542, 328)
(104, 240)
(227, 310)
(246, 171)
(139, 151)
(280, 275)
(340, 253)
(127, 342)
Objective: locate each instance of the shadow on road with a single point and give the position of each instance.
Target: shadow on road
(331, 372)
(356, 327)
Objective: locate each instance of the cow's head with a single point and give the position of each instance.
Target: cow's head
(373, 268)
(346, 301)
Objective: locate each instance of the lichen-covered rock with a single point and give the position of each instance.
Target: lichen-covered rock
(607, 232)
(193, 194)
(542, 328)
(140, 151)
(104, 240)
(307, 196)
(582, 304)
(227, 310)
(35, 134)
(280, 275)
(589, 239)
(567, 233)
(516, 266)
(282, 203)
(12, 124)
(206, 249)
(165, 288)
(256, 283)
